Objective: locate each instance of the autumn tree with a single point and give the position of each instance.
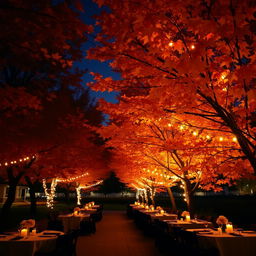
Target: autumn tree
(147, 139)
(192, 59)
(40, 40)
(59, 138)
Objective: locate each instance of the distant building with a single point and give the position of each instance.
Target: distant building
(20, 196)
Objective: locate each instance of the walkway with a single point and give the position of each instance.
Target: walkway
(116, 235)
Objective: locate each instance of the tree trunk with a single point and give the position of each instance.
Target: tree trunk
(189, 197)
(174, 207)
(33, 206)
(230, 122)
(10, 199)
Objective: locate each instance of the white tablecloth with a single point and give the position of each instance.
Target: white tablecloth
(88, 211)
(27, 246)
(190, 224)
(165, 216)
(229, 245)
(72, 222)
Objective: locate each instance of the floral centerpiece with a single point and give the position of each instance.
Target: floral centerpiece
(25, 227)
(76, 210)
(222, 221)
(152, 208)
(28, 223)
(185, 213)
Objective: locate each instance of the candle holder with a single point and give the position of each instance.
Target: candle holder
(24, 232)
(33, 233)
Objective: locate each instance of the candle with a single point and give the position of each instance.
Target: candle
(33, 232)
(229, 228)
(187, 217)
(162, 211)
(220, 231)
(75, 213)
(24, 232)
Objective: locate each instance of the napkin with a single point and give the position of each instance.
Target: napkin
(16, 238)
(249, 232)
(205, 232)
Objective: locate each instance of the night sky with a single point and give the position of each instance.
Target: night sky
(92, 65)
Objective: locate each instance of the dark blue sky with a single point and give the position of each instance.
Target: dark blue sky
(92, 65)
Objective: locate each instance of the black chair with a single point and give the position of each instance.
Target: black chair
(129, 211)
(65, 246)
(164, 238)
(55, 225)
(87, 227)
(188, 243)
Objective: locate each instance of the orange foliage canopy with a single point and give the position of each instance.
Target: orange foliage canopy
(191, 62)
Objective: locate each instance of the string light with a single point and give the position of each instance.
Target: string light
(234, 139)
(50, 195)
(170, 44)
(195, 133)
(24, 159)
(223, 76)
(193, 47)
(92, 185)
(73, 178)
(78, 194)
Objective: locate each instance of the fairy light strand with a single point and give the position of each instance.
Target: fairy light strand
(18, 161)
(92, 185)
(78, 194)
(72, 178)
(50, 194)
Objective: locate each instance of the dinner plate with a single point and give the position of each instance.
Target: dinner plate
(205, 232)
(249, 231)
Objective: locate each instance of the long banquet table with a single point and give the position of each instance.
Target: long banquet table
(242, 243)
(12, 244)
(72, 222)
(189, 224)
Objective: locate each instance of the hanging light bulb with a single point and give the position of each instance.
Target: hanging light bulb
(195, 133)
(171, 44)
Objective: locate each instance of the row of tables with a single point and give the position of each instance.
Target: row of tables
(238, 243)
(72, 221)
(12, 244)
